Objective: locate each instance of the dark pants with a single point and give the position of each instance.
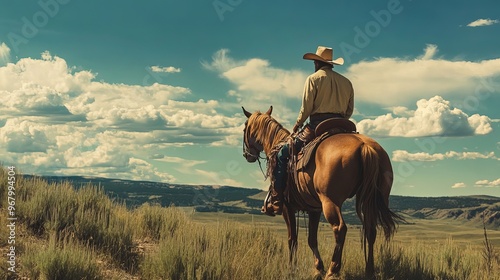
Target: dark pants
(316, 119)
(282, 160)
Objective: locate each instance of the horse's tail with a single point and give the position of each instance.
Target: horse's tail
(370, 205)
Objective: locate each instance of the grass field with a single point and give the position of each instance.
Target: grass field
(64, 233)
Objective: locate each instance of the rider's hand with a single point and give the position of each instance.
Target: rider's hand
(296, 127)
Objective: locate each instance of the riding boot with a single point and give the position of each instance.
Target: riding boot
(273, 205)
(279, 187)
(277, 205)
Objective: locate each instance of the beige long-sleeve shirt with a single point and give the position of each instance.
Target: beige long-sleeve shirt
(326, 91)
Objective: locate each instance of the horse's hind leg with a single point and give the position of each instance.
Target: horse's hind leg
(370, 266)
(313, 240)
(333, 215)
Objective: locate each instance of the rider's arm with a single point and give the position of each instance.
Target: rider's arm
(307, 101)
(350, 105)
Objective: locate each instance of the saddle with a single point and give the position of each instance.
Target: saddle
(305, 197)
(324, 130)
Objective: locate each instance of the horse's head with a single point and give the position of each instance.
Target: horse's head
(251, 147)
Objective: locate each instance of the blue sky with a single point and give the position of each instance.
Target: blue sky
(153, 90)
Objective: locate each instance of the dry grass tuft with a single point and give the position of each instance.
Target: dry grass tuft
(68, 233)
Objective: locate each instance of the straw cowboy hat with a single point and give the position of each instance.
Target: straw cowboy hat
(324, 54)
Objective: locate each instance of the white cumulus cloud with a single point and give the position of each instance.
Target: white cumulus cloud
(258, 84)
(168, 69)
(4, 53)
(429, 52)
(433, 117)
(458, 185)
(257, 76)
(487, 183)
(401, 156)
(55, 119)
(393, 81)
(483, 22)
(21, 136)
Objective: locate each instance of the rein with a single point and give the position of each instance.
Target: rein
(298, 222)
(260, 165)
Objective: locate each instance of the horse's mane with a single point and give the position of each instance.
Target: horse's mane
(267, 130)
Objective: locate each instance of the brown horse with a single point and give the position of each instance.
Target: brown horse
(345, 165)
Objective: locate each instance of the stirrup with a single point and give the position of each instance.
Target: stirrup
(277, 207)
(265, 208)
(268, 211)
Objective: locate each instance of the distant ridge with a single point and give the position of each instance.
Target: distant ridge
(206, 198)
(209, 198)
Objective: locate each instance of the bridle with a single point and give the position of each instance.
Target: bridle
(250, 151)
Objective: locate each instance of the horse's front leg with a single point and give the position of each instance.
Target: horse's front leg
(289, 216)
(313, 240)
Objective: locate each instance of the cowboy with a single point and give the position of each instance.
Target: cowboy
(327, 94)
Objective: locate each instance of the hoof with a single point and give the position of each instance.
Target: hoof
(318, 274)
(318, 264)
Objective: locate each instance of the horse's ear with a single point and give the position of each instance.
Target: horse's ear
(248, 114)
(270, 110)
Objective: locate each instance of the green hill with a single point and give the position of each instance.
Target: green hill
(207, 198)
